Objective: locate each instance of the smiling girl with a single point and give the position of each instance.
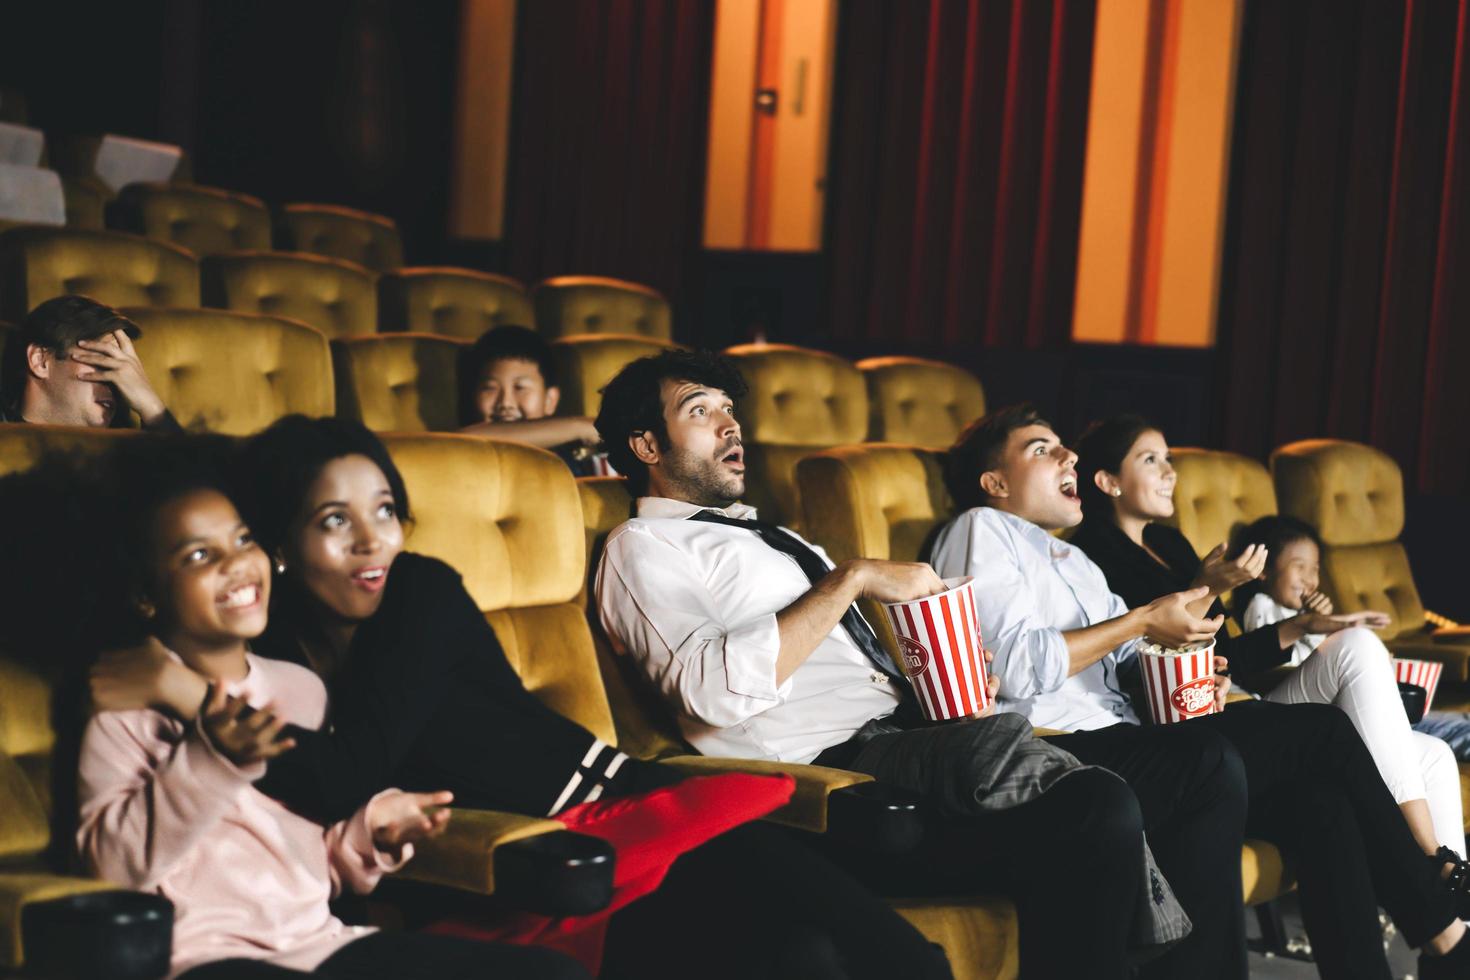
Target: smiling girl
(170, 807)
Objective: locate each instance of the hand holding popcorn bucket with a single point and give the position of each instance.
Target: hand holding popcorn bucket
(1180, 684)
(939, 651)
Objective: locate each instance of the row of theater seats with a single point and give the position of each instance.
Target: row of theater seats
(337, 296)
(525, 536)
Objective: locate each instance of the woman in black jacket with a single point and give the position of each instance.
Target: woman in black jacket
(421, 693)
(1127, 483)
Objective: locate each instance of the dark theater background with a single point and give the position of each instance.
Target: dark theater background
(1250, 219)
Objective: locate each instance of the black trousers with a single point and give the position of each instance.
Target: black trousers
(756, 903)
(410, 956)
(1072, 858)
(1315, 793)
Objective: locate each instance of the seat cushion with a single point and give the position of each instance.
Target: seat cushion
(111, 267)
(401, 382)
(586, 363)
(873, 500)
(926, 403)
(205, 220)
(981, 935)
(1349, 492)
(1374, 576)
(570, 305)
(234, 373)
(1263, 873)
(337, 297)
(1217, 494)
(451, 302)
(370, 240)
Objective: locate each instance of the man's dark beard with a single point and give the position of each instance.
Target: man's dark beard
(699, 484)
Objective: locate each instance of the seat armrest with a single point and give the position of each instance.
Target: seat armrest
(848, 806)
(530, 863)
(1452, 634)
(1044, 732)
(19, 889)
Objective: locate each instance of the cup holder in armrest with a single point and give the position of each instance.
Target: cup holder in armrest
(117, 935)
(876, 817)
(559, 873)
(1416, 701)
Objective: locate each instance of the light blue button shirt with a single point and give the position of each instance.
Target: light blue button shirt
(1029, 588)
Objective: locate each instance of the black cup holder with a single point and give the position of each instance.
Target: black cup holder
(113, 935)
(1416, 701)
(560, 873)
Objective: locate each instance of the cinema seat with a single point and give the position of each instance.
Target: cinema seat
(403, 382)
(337, 297)
(586, 363)
(800, 401)
(1217, 494)
(233, 373)
(205, 220)
(370, 240)
(450, 302)
(920, 402)
(118, 269)
(86, 202)
(1354, 496)
(887, 501)
(570, 305)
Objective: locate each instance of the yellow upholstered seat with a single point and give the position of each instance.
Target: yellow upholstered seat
(800, 401)
(917, 401)
(451, 302)
(1354, 496)
(337, 297)
(370, 240)
(585, 364)
(205, 220)
(37, 264)
(570, 305)
(233, 373)
(1218, 494)
(403, 382)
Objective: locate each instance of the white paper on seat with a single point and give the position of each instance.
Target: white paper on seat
(122, 160)
(21, 144)
(32, 195)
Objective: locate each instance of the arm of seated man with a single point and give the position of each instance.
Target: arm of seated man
(657, 609)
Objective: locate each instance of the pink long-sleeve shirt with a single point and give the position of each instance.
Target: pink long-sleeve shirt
(163, 811)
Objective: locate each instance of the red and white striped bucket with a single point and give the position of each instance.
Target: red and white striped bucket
(1180, 683)
(940, 653)
(1424, 673)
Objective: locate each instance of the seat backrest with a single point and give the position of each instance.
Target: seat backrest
(1217, 494)
(586, 363)
(86, 202)
(570, 305)
(874, 500)
(370, 240)
(337, 297)
(508, 518)
(118, 269)
(401, 382)
(1354, 496)
(451, 302)
(234, 373)
(800, 400)
(646, 729)
(920, 402)
(205, 220)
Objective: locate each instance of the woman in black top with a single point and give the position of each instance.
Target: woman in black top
(421, 693)
(1127, 484)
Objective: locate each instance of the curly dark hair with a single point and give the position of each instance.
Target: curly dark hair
(632, 402)
(979, 448)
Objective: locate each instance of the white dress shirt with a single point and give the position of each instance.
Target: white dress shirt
(1029, 588)
(694, 604)
(1263, 610)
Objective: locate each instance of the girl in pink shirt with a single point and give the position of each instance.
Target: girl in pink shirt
(169, 807)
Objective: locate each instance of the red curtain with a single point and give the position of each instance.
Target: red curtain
(609, 128)
(959, 136)
(1345, 309)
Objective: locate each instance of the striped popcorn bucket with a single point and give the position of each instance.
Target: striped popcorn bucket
(1180, 683)
(1424, 673)
(939, 646)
